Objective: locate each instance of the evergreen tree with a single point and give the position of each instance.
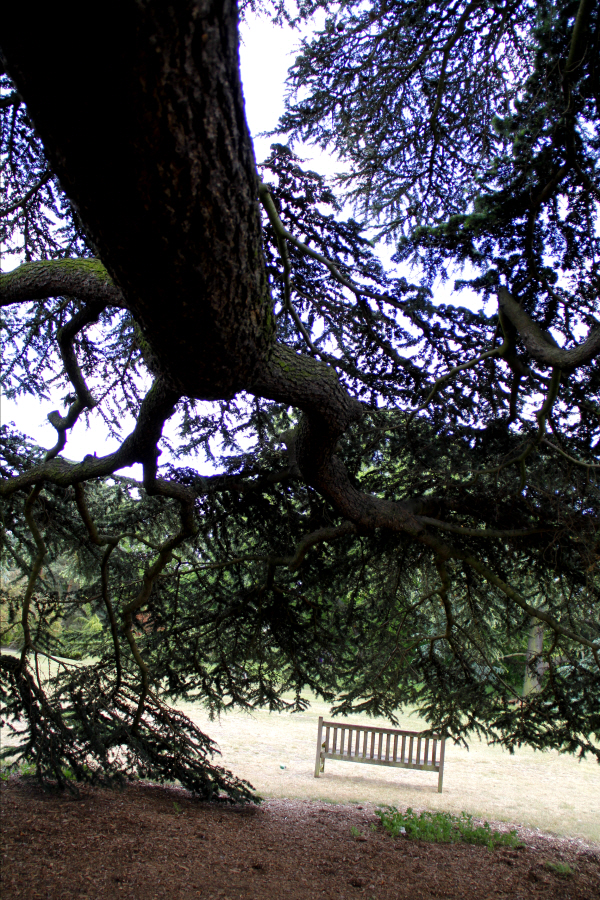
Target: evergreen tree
(405, 489)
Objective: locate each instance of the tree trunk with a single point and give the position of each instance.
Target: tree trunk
(534, 664)
(140, 109)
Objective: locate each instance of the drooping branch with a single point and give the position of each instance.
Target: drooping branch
(359, 290)
(182, 239)
(165, 555)
(138, 447)
(571, 459)
(542, 345)
(534, 612)
(35, 570)
(23, 201)
(109, 542)
(201, 295)
(487, 354)
(83, 396)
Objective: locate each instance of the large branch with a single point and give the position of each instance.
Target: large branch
(313, 387)
(86, 279)
(141, 114)
(540, 344)
(140, 109)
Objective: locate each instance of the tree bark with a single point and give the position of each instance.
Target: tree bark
(534, 665)
(140, 108)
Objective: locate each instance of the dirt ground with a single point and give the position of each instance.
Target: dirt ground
(151, 842)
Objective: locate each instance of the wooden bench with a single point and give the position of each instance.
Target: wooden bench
(380, 747)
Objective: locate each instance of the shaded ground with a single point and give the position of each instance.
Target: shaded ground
(151, 842)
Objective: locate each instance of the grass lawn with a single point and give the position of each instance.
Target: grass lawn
(555, 793)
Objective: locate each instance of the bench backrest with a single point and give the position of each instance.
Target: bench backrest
(383, 744)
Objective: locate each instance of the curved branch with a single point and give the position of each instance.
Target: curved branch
(495, 351)
(138, 447)
(310, 540)
(86, 279)
(65, 335)
(84, 398)
(532, 611)
(541, 345)
(578, 31)
(576, 462)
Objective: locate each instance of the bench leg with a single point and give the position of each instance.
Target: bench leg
(319, 741)
(441, 775)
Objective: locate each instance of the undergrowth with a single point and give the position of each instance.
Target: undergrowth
(443, 827)
(563, 870)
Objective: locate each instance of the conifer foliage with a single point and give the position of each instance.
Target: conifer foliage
(404, 510)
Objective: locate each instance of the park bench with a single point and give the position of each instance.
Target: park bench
(380, 747)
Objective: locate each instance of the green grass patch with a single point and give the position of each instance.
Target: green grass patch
(563, 870)
(444, 828)
(22, 768)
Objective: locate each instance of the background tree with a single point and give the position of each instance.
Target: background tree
(404, 487)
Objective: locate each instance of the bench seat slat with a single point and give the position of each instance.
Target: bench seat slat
(379, 762)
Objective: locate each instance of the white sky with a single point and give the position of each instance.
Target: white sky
(266, 53)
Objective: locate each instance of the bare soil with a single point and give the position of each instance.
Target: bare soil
(153, 842)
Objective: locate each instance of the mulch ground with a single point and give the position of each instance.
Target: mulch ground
(152, 842)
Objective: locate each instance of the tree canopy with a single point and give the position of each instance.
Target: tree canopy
(404, 510)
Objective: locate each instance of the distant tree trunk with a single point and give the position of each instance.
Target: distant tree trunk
(534, 665)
